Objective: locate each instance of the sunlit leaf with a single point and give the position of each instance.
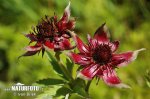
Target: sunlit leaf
(48, 93)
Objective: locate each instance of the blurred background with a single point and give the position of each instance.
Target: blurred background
(128, 22)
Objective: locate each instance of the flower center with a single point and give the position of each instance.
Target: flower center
(102, 54)
(47, 28)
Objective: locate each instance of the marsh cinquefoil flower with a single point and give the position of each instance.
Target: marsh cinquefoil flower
(98, 57)
(51, 33)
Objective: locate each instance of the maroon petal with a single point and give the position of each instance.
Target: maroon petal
(62, 24)
(88, 72)
(33, 48)
(66, 14)
(31, 36)
(114, 45)
(101, 34)
(127, 57)
(79, 59)
(48, 44)
(64, 44)
(29, 53)
(92, 42)
(71, 24)
(80, 45)
(110, 78)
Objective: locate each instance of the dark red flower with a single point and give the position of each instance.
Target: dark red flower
(98, 57)
(52, 34)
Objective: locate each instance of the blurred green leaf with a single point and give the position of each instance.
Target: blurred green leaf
(147, 76)
(51, 81)
(48, 93)
(76, 96)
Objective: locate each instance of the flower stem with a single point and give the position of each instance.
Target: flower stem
(62, 67)
(88, 86)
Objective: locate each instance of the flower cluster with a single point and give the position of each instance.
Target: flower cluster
(98, 58)
(51, 33)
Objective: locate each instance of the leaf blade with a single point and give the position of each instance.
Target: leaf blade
(51, 81)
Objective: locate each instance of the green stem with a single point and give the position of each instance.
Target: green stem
(62, 67)
(88, 86)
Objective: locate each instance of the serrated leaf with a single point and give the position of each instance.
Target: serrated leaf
(55, 65)
(51, 81)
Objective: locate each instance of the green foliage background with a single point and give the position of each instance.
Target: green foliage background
(128, 21)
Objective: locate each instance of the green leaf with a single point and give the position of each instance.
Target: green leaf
(63, 91)
(79, 88)
(80, 91)
(147, 76)
(69, 65)
(49, 93)
(77, 96)
(51, 81)
(55, 65)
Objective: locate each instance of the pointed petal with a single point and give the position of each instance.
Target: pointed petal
(88, 72)
(66, 14)
(89, 38)
(29, 53)
(79, 59)
(80, 45)
(31, 36)
(62, 23)
(65, 44)
(110, 78)
(71, 24)
(127, 57)
(122, 85)
(92, 42)
(48, 44)
(101, 34)
(33, 48)
(114, 45)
